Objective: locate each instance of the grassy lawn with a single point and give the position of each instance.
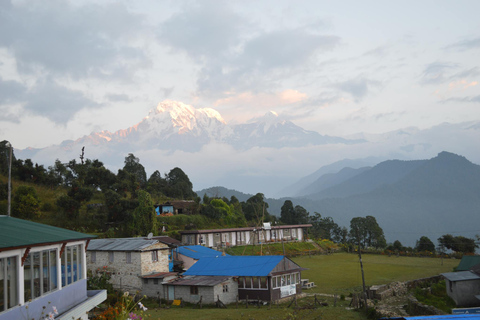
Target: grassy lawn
(333, 274)
(340, 273)
(263, 312)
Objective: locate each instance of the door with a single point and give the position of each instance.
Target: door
(171, 292)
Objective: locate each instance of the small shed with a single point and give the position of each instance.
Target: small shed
(265, 278)
(468, 262)
(152, 284)
(462, 287)
(209, 289)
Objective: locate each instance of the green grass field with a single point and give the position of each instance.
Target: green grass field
(333, 274)
(340, 273)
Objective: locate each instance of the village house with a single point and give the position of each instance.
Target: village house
(464, 286)
(43, 267)
(189, 255)
(175, 207)
(216, 238)
(128, 260)
(263, 278)
(209, 289)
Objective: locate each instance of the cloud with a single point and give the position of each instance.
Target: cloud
(167, 92)
(11, 91)
(435, 72)
(78, 41)
(202, 30)
(55, 102)
(114, 97)
(358, 88)
(474, 99)
(465, 45)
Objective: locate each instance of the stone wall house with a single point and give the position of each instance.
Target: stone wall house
(42, 267)
(153, 284)
(127, 260)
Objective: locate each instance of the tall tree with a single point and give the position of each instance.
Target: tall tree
(458, 243)
(133, 166)
(367, 231)
(179, 185)
(424, 244)
(25, 203)
(144, 216)
(287, 212)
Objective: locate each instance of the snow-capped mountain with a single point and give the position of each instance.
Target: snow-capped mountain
(263, 155)
(174, 126)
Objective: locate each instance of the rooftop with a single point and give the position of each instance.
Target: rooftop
(197, 252)
(245, 229)
(255, 266)
(120, 244)
(19, 233)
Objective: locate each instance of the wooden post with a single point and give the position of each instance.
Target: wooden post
(363, 276)
(246, 302)
(335, 301)
(236, 306)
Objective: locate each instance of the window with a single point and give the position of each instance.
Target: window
(155, 281)
(111, 256)
(248, 282)
(39, 273)
(128, 257)
(263, 283)
(225, 288)
(145, 281)
(241, 282)
(155, 256)
(8, 283)
(72, 265)
(93, 256)
(193, 290)
(294, 233)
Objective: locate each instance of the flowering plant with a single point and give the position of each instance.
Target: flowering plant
(44, 315)
(125, 309)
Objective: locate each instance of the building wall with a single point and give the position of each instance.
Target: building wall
(126, 276)
(149, 266)
(209, 294)
(463, 292)
(187, 261)
(153, 290)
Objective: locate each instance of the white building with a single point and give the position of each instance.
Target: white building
(43, 267)
(215, 238)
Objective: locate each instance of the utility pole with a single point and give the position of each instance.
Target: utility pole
(9, 179)
(363, 276)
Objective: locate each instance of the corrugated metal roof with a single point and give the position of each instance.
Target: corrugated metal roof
(159, 275)
(439, 317)
(197, 252)
(255, 266)
(243, 229)
(206, 281)
(468, 262)
(16, 233)
(120, 244)
(461, 276)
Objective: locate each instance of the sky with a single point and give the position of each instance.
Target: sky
(70, 68)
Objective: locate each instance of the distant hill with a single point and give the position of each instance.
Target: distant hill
(409, 199)
(364, 180)
(220, 192)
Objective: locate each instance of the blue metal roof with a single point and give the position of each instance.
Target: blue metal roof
(253, 266)
(440, 317)
(197, 252)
